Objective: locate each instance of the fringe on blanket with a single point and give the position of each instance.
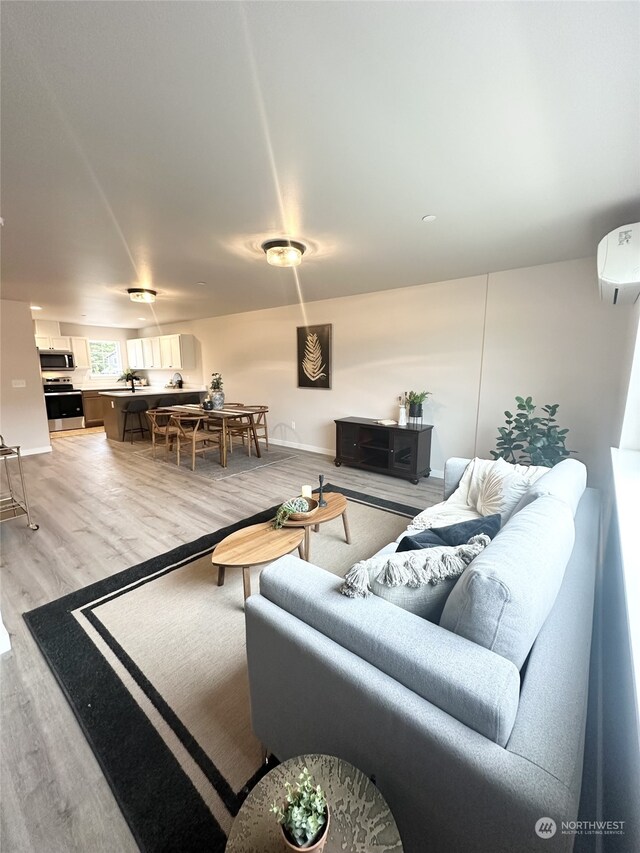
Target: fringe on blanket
(415, 569)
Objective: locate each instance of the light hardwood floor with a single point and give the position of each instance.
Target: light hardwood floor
(100, 510)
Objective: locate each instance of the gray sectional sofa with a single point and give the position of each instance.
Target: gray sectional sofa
(472, 728)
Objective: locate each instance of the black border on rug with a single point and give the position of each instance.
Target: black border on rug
(100, 701)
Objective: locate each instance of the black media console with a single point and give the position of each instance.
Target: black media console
(400, 451)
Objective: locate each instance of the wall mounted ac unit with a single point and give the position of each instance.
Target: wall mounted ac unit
(619, 265)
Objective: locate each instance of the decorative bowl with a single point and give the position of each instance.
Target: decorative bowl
(301, 516)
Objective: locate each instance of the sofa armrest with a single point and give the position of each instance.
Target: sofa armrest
(453, 471)
(468, 682)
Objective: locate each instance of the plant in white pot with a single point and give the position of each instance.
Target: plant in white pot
(304, 815)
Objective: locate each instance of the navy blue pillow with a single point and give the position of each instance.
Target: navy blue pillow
(453, 534)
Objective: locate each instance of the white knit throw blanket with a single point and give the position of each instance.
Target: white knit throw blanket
(414, 568)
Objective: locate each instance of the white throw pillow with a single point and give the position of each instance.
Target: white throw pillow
(501, 490)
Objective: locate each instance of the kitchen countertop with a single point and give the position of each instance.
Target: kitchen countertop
(150, 391)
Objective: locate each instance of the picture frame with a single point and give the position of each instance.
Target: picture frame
(314, 356)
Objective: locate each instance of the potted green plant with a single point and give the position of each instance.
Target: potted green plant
(129, 376)
(216, 394)
(304, 815)
(415, 400)
(536, 440)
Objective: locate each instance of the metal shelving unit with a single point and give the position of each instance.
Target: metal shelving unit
(14, 504)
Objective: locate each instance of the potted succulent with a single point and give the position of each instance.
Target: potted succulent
(216, 394)
(294, 506)
(304, 815)
(415, 400)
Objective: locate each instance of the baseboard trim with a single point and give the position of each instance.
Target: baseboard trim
(33, 451)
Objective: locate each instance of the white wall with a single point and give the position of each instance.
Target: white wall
(546, 334)
(549, 335)
(23, 415)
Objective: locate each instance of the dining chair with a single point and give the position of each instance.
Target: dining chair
(191, 431)
(260, 422)
(239, 426)
(162, 428)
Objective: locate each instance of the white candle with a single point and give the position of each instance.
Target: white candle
(306, 491)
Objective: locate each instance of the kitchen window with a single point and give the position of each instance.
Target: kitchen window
(106, 360)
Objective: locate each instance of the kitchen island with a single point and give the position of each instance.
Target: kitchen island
(115, 401)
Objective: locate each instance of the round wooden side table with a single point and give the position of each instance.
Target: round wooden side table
(360, 818)
(336, 505)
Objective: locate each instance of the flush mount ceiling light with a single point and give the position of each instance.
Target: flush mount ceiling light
(140, 294)
(283, 252)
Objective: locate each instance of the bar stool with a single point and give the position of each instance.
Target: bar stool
(134, 407)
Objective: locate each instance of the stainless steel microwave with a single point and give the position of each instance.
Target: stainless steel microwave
(55, 359)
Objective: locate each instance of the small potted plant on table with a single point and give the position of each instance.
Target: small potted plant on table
(415, 400)
(304, 815)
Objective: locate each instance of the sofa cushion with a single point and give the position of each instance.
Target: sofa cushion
(504, 596)
(418, 581)
(452, 534)
(567, 481)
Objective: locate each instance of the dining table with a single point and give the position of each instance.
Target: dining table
(222, 417)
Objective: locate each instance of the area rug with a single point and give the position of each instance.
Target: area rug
(152, 662)
(238, 462)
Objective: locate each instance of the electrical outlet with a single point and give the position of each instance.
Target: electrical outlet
(18, 383)
(293, 424)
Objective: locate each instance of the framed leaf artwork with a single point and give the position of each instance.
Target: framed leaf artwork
(314, 356)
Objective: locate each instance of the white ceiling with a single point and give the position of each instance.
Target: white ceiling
(159, 143)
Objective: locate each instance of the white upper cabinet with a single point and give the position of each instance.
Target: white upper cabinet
(48, 336)
(177, 352)
(80, 350)
(151, 356)
(134, 354)
(166, 352)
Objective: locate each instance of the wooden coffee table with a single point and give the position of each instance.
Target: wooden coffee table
(336, 505)
(361, 821)
(254, 546)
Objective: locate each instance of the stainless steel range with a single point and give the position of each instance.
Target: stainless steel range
(64, 404)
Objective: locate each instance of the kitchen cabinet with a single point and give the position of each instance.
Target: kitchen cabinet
(177, 352)
(170, 356)
(92, 404)
(165, 352)
(80, 350)
(47, 333)
(151, 354)
(135, 356)
(47, 342)
(400, 451)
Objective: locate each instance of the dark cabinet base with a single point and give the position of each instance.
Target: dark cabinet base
(399, 451)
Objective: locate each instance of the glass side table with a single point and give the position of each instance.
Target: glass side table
(360, 818)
